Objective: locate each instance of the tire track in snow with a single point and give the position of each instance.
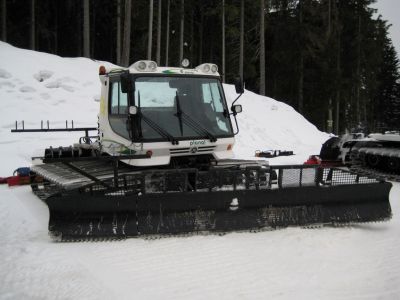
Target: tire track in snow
(30, 266)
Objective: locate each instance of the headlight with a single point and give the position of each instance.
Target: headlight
(142, 66)
(152, 65)
(206, 68)
(145, 66)
(185, 63)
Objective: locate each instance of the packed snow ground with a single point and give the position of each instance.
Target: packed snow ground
(358, 262)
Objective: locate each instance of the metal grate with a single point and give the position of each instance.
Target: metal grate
(289, 178)
(187, 150)
(332, 176)
(296, 176)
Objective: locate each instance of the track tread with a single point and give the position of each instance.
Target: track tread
(371, 172)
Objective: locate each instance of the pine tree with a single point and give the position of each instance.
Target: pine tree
(262, 47)
(86, 29)
(387, 98)
(4, 20)
(158, 51)
(127, 34)
(167, 35)
(118, 48)
(223, 40)
(33, 29)
(182, 28)
(150, 34)
(241, 45)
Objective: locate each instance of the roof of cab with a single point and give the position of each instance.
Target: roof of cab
(147, 66)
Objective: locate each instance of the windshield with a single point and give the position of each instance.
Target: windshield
(184, 107)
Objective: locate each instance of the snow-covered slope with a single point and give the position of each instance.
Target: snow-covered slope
(267, 124)
(37, 86)
(358, 262)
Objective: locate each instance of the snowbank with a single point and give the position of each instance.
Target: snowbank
(37, 86)
(267, 124)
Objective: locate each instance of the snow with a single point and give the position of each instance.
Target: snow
(357, 262)
(267, 124)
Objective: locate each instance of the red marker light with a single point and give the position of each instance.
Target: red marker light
(102, 70)
(149, 153)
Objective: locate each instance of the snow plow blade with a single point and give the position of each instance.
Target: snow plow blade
(189, 201)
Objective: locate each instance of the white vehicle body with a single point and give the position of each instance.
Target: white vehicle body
(153, 95)
(392, 136)
(376, 145)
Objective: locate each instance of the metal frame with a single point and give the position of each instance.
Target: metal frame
(174, 201)
(48, 129)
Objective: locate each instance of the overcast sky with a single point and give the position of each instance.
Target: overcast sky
(390, 10)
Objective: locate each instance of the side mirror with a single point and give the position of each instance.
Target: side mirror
(133, 110)
(236, 109)
(126, 83)
(239, 86)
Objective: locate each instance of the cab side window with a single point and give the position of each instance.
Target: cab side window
(118, 109)
(119, 100)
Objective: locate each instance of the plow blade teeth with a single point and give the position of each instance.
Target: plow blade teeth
(263, 209)
(76, 226)
(84, 216)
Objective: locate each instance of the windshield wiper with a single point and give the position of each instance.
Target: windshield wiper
(196, 126)
(155, 126)
(179, 113)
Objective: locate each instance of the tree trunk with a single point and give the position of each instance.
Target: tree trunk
(182, 31)
(301, 83)
(150, 40)
(329, 124)
(338, 86)
(158, 54)
(55, 51)
(358, 110)
(167, 36)
(32, 43)
(201, 35)
(262, 47)
(338, 73)
(92, 40)
(86, 29)
(127, 34)
(78, 27)
(223, 40)
(118, 32)
(328, 30)
(241, 54)
(301, 63)
(191, 48)
(337, 115)
(4, 20)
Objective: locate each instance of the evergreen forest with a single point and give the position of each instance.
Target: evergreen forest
(332, 60)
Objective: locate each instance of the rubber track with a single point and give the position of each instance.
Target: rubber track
(380, 175)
